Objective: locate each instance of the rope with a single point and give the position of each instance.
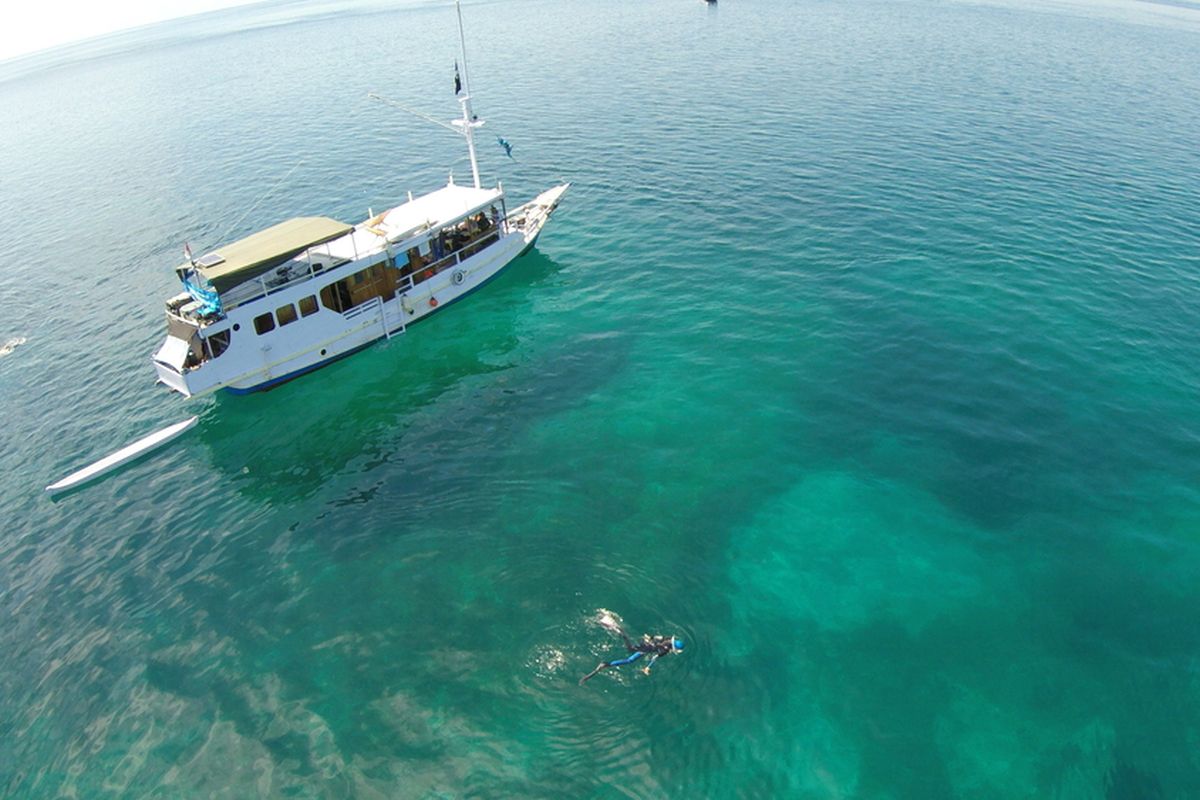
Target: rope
(422, 115)
(258, 202)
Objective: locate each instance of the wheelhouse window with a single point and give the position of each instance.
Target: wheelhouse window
(264, 323)
(286, 314)
(218, 342)
(308, 305)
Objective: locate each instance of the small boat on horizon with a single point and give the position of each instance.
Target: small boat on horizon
(305, 292)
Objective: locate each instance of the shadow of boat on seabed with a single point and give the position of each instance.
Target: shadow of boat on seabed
(286, 441)
(284, 444)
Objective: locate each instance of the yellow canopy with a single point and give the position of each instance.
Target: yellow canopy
(247, 258)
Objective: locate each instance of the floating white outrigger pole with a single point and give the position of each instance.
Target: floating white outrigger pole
(122, 456)
(469, 121)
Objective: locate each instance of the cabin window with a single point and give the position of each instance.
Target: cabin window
(264, 323)
(308, 305)
(286, 314)
(336, 296)
(218, 342)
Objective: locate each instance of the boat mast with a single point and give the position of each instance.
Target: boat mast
(469, 121)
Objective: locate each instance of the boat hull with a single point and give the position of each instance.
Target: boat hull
(282, 379)
(261, 362)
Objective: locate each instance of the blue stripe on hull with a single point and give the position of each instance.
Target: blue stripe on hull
(271, 384)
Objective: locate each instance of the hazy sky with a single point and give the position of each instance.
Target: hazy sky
(29, 27)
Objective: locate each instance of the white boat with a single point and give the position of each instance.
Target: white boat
(298, 295)
(123, 456)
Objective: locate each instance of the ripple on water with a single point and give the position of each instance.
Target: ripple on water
(884, 399)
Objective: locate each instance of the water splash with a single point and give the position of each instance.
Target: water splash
(12, 344)
(609, 620)
(547, 661)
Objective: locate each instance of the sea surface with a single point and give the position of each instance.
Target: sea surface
(862, 354)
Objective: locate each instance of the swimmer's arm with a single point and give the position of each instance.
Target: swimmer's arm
(650, 663)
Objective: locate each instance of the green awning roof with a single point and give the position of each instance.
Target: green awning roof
(250, 257)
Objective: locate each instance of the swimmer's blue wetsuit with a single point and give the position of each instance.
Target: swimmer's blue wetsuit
(634, 656)
(654, 646)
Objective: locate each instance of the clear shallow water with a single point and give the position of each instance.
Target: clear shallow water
(862, 353)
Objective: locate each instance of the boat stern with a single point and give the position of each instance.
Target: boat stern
(176, 369)
(169, 363)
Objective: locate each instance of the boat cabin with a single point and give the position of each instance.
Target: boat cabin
(393, 252)
(289, 299)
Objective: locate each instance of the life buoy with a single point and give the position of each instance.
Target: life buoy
(433, 302)
(458, 277)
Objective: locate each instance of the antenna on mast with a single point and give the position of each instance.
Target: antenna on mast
(469, 121)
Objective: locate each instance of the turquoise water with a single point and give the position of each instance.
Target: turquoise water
(861, 354)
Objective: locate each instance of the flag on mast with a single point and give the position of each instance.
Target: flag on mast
(457, 80)
(187, 252)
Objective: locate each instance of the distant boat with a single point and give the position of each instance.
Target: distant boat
(301, 294)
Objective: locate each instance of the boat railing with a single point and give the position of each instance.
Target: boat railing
(298, 271)
(427, 271)
(362, 308)
(483, 241)
(285, 276)
(402, 285)
(375, 308)
(529, 215)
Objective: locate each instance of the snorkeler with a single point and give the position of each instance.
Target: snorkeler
(653, 646)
